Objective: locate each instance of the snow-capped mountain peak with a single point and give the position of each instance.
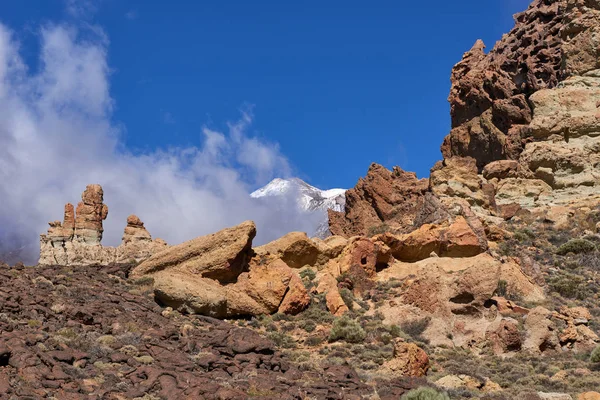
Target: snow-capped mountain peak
(308, 199)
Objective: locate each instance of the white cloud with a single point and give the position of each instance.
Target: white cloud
(131, 15)
(56, 137)
(81, 8)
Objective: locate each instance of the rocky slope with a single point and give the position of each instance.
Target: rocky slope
(480, 281)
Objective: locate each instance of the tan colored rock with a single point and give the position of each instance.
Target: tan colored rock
(328, 285)
(367, 254)
(457, 177)
(77, 240)
(500, 169)
(295, 249)
(504, 336)
(263, 290)
(554, 396)
(453, 382)
(409, 360)
(541, 332)
(137, 243)
(589, 396)
(221, 256)
(90, 213)
(455, 240)
(459, 286)
(296, 299)
(329, 248)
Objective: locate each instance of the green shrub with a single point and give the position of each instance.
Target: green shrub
(576, 246)
(282, 340)
(378, 229)
(424, 393)
(348, 298)
(308, 274)
(347, 329)
(568, 285)
(595, 356)
(414, 329)
(501, 288)
(308, 325)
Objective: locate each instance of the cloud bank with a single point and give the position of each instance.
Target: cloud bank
(56, 136)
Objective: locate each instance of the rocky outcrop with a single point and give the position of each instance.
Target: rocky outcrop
(295, 249)
(77, 240)
(488, 98)
(216, 275)
(409, 360)
(382, 200)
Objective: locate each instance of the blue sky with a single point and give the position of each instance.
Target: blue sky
(337, 84)
(180, 109)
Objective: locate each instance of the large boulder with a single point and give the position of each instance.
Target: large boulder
(295, 249)
(455, 240)
(222, 256)
(409, 360)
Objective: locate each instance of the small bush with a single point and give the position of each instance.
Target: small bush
(414, 329)
(308, 325)
(576, 246)
(282, 340)
(378, 229)
(568, 285)
(425, 394)
(501, 288)
(309, 274)
(595, 356)
(347, 329)
(348, 298)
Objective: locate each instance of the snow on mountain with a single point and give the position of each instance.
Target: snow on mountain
(307, 198)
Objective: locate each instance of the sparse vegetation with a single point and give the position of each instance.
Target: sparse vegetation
(346, 329)
(576, 246)
(425, 394)
(595, 356)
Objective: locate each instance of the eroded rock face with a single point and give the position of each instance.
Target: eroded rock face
(409, 360)
(385, 197)
(77, 240)
(216, 275)
(488, 98)
(222, 256)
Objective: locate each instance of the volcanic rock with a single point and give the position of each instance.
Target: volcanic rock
(382, 198)
(295, 249)
(77, 240)
(409, 360)
(488, 98)
(222, 256)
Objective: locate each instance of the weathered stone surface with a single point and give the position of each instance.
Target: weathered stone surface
(589, 396)
(90, 213)
(366, 254)
(541, 332)
(500, 169)
(221, 256)
(383, 197)
(295, 249)
(77, 240)
(328, 285)
(455, 240)
(504, 336)
(457, 177)
(488, 98)
(409, 360)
